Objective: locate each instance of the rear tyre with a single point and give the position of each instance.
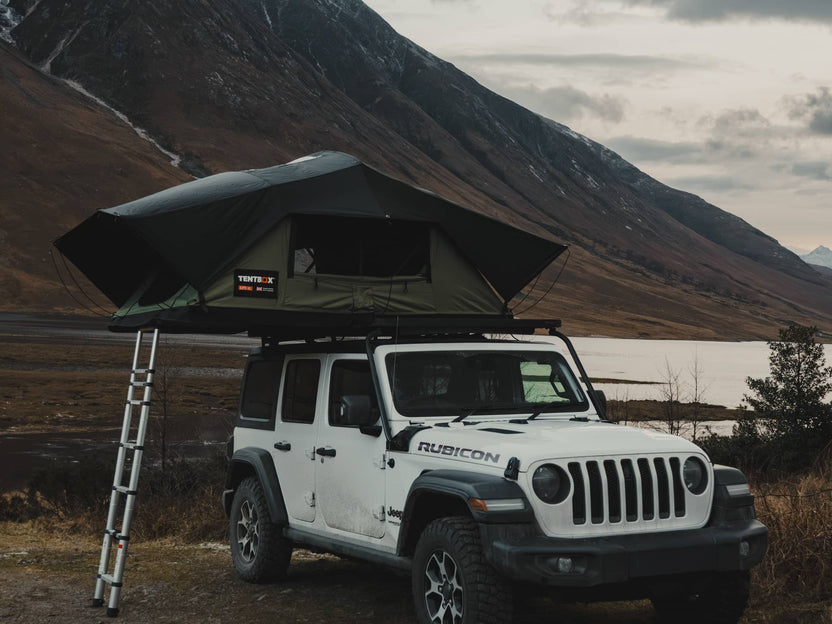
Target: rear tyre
(259, 550)
(452, 581)
(721, 601)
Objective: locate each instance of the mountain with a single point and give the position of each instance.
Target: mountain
(822, 256)
(63, 156)
(235, 84)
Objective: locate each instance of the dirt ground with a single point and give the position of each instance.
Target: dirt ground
(50, 578)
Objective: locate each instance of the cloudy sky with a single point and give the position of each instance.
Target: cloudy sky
(728, 99)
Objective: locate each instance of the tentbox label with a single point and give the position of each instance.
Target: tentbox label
(253, 283)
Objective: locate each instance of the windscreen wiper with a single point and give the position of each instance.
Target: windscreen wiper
(468, 411)
(543, 408)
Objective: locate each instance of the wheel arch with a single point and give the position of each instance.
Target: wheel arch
(258, 463)
(442, 493)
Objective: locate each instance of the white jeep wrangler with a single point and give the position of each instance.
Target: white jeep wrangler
(479, 465)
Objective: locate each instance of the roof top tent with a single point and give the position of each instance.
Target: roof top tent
(319, 246)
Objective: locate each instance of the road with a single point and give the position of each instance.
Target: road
(90, 330)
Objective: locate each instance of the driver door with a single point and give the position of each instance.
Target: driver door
(350, 474)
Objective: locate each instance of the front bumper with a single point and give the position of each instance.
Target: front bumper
(589, 562)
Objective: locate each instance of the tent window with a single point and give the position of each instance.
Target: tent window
(365, 247)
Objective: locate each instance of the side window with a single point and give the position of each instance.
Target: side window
(260, 392)
(349, 378)
(300, 390)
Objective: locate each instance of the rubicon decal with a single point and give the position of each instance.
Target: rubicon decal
(254, 283)
(458, 451)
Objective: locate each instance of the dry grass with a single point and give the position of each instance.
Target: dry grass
(798, 514)
(34, 401)
(645, 410)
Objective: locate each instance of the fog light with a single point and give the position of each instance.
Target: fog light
(745, 549)
(565, 565)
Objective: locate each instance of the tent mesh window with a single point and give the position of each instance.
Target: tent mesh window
(363, 247)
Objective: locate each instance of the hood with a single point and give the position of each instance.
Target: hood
(494, 442)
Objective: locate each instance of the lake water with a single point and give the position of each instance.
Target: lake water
(724, 366)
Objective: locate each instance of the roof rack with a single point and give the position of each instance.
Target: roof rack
(408, 326)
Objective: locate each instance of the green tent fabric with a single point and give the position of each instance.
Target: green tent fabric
(331, 240)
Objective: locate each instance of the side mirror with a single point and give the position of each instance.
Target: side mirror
(357, 410)
(601, 402)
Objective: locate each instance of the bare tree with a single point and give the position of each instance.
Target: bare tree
(696, 397)
(683, 404)
(672, 412)
(164, 388)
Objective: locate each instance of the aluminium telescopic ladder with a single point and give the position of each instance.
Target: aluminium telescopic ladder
(124, 496)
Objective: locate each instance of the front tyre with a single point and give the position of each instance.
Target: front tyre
(258, 548)
(722, 600)
(452, 581)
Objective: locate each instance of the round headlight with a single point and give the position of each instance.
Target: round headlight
(695, 475)
(550, 484)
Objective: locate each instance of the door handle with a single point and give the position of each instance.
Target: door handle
(283, 446)
(325, 451)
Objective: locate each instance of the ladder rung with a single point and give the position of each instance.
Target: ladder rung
(108, 578)
(116, 535)
(138, 402)
(131, 446)
(144, 371)
(124, 490)
(142, 384)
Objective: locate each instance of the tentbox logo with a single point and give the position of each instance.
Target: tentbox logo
(254, 283)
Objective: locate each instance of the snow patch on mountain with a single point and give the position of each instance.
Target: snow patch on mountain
(9, 19)
(268, 17)
(175, 159)
(821, 256)
(62, 44)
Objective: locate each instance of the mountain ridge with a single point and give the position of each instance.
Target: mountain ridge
(820, 256)
(269, 91)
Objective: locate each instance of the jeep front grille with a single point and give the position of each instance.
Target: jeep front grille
(626, 490)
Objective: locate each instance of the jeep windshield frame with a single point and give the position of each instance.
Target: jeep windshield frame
(484, 380)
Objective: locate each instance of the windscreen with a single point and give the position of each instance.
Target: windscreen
(457, 383)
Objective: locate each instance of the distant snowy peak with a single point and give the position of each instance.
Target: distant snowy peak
(8, 20)
(821, 256)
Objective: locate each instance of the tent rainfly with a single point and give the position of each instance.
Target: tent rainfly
(322, 243)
